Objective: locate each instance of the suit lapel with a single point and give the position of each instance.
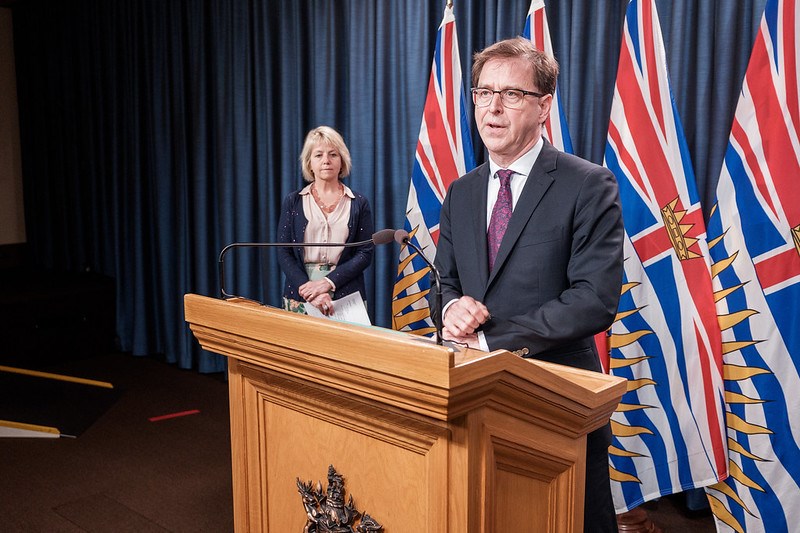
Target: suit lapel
(539, 180)
(478, 205)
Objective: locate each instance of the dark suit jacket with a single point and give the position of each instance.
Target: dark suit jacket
(558, 272)
(349, 273)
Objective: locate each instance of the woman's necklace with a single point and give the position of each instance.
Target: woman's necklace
(327, 208)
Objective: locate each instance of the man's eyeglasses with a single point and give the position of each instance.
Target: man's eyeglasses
(511, 98)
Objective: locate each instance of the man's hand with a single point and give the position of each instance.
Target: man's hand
(464, 316)
(470, 341)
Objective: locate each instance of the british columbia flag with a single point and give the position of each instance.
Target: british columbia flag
(754, 241)
(537, 30)
(669, 433)
(444, 152)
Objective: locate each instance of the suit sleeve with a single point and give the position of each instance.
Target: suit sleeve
(445, 260)
(594, 273)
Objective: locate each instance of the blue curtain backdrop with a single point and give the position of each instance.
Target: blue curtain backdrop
(155, 133)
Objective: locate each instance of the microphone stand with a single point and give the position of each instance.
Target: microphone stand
(402, 237)
(380, 237)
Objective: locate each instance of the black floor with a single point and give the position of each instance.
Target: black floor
(672, 515)
(125, 473)
(128, 474)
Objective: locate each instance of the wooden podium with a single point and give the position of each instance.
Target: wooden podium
(426, 438)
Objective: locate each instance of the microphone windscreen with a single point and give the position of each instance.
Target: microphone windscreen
(383, 236)
(401, 236)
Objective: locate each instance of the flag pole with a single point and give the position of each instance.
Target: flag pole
(444, 152)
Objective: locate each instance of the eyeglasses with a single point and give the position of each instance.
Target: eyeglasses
(511, 98)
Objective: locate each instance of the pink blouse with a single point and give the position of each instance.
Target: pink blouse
(321, 228)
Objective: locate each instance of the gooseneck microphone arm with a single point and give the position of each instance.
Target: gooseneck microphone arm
(383, 236)
(402, 237)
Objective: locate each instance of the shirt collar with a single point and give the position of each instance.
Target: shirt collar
(523, 164)
(347, 192)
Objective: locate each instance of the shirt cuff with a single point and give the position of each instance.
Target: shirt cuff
(482, 341)
(332, 284)
(447, 306)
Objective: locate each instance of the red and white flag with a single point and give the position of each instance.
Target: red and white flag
(669, 433)
(444, 152)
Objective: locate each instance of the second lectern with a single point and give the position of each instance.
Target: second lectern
(368, 428)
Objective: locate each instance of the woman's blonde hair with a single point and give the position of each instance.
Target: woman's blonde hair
(324, 135)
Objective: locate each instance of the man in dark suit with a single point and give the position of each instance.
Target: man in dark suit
(530, 244)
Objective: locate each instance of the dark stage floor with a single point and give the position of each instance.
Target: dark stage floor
(125, 473)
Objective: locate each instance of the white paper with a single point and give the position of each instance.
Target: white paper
(351, 308)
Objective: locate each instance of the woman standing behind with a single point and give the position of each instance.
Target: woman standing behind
(322, 212)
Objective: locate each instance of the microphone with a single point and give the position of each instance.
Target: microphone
(383, 236)
(402, 237)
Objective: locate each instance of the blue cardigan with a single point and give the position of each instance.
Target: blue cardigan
(349, 273)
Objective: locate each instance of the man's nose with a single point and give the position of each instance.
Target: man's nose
(496, 103)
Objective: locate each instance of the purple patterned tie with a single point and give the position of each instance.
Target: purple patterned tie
(501, 214)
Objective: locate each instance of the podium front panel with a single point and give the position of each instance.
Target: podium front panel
(294, 430)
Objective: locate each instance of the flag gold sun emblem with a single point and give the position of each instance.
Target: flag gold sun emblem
(677, 231)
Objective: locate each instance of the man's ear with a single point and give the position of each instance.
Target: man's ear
(545, 103)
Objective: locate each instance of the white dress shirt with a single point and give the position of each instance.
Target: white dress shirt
(522, 168)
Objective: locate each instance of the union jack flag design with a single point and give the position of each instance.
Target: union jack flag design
(754, 243)
(444, 152)
(669, 434)
(538, 32)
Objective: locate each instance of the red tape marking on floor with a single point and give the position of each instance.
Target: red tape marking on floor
(173, 415)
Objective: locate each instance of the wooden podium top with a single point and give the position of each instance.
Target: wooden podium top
(401, 370)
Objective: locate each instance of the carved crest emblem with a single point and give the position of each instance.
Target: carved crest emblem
(326, 511)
